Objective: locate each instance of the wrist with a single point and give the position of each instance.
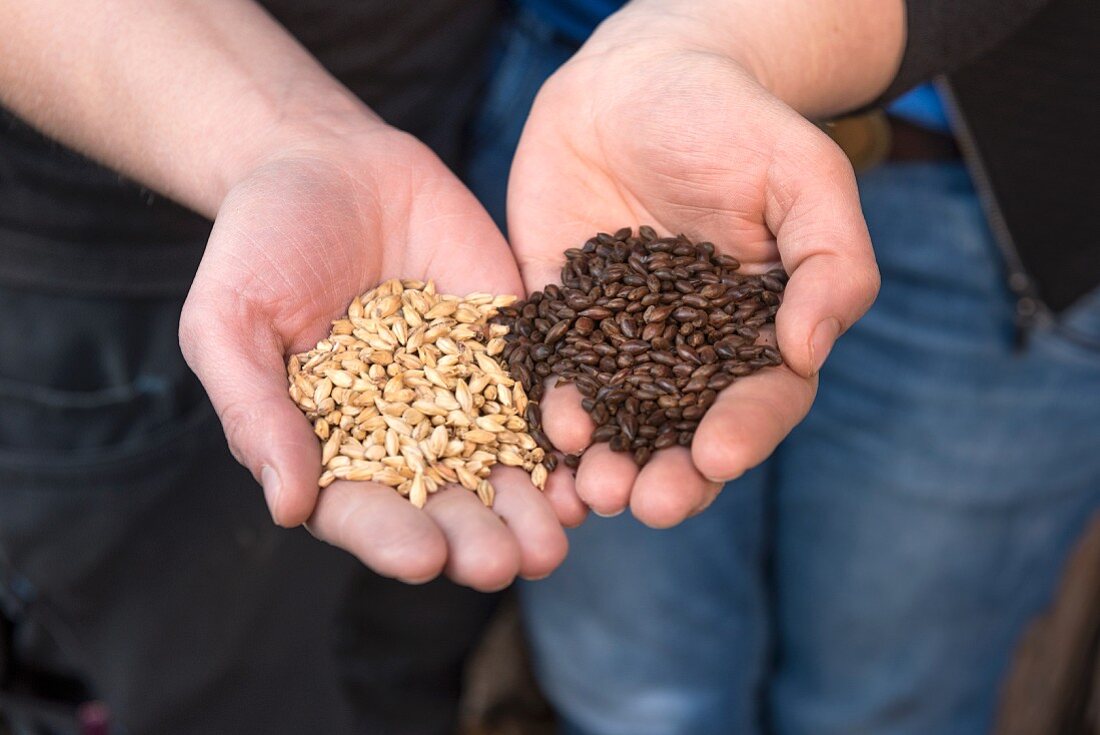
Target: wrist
(821, 59)
(323, 125)
(670, 27)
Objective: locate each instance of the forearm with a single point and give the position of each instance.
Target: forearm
(821, 57)
(182, 95)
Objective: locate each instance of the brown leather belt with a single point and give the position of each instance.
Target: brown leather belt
(874, 137)
(911, 142)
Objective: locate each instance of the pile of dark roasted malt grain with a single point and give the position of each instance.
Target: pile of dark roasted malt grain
(649, 329)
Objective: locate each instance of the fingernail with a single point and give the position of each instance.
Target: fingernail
(499, 588)
(705, 504)
(273, 486)
(822, 340)
(619, 512)
(721, 481)
(417, 580)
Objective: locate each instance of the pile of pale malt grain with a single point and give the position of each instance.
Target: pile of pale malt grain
(408, 391)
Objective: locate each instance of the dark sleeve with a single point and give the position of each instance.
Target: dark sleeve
(943, 35)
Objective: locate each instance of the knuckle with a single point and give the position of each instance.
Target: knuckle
(832, 160)
(824, 155)
(719, 459)
(410, 557)
(659, 510)
(874, 284)
(190, 331)
(199, 319)
(491, 567)
(867, 282)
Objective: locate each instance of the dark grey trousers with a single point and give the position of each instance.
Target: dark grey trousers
(139, 566)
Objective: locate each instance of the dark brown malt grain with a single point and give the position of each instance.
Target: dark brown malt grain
(649, 329)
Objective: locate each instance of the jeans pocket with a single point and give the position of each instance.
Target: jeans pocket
(43, 423)
(107, 437)
(95, 380)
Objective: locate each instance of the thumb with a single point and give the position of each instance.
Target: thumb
(238, 357)
(813, 209)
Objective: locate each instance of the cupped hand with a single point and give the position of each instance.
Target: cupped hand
(307, 230)
(643, 127)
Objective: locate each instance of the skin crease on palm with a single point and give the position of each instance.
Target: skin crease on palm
(688, 142)
(307, 225)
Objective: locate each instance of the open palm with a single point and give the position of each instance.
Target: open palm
(291, 246)
(687, 141)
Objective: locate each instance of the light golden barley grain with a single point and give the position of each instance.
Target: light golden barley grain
(406, 391)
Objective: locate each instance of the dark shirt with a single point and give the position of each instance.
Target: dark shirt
(1025, 79)
(69, 224)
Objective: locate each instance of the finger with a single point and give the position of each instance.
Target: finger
(240, 364)
(813, 209)
(605, 478)
(564, 420)
(481, 552)
(381, 528)
(561, 492)
(669, 489)
(748, 421)
(528, 515)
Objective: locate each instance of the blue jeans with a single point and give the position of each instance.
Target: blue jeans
(874, 575)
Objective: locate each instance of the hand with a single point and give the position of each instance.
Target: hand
(645, 127)
(307, 230)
